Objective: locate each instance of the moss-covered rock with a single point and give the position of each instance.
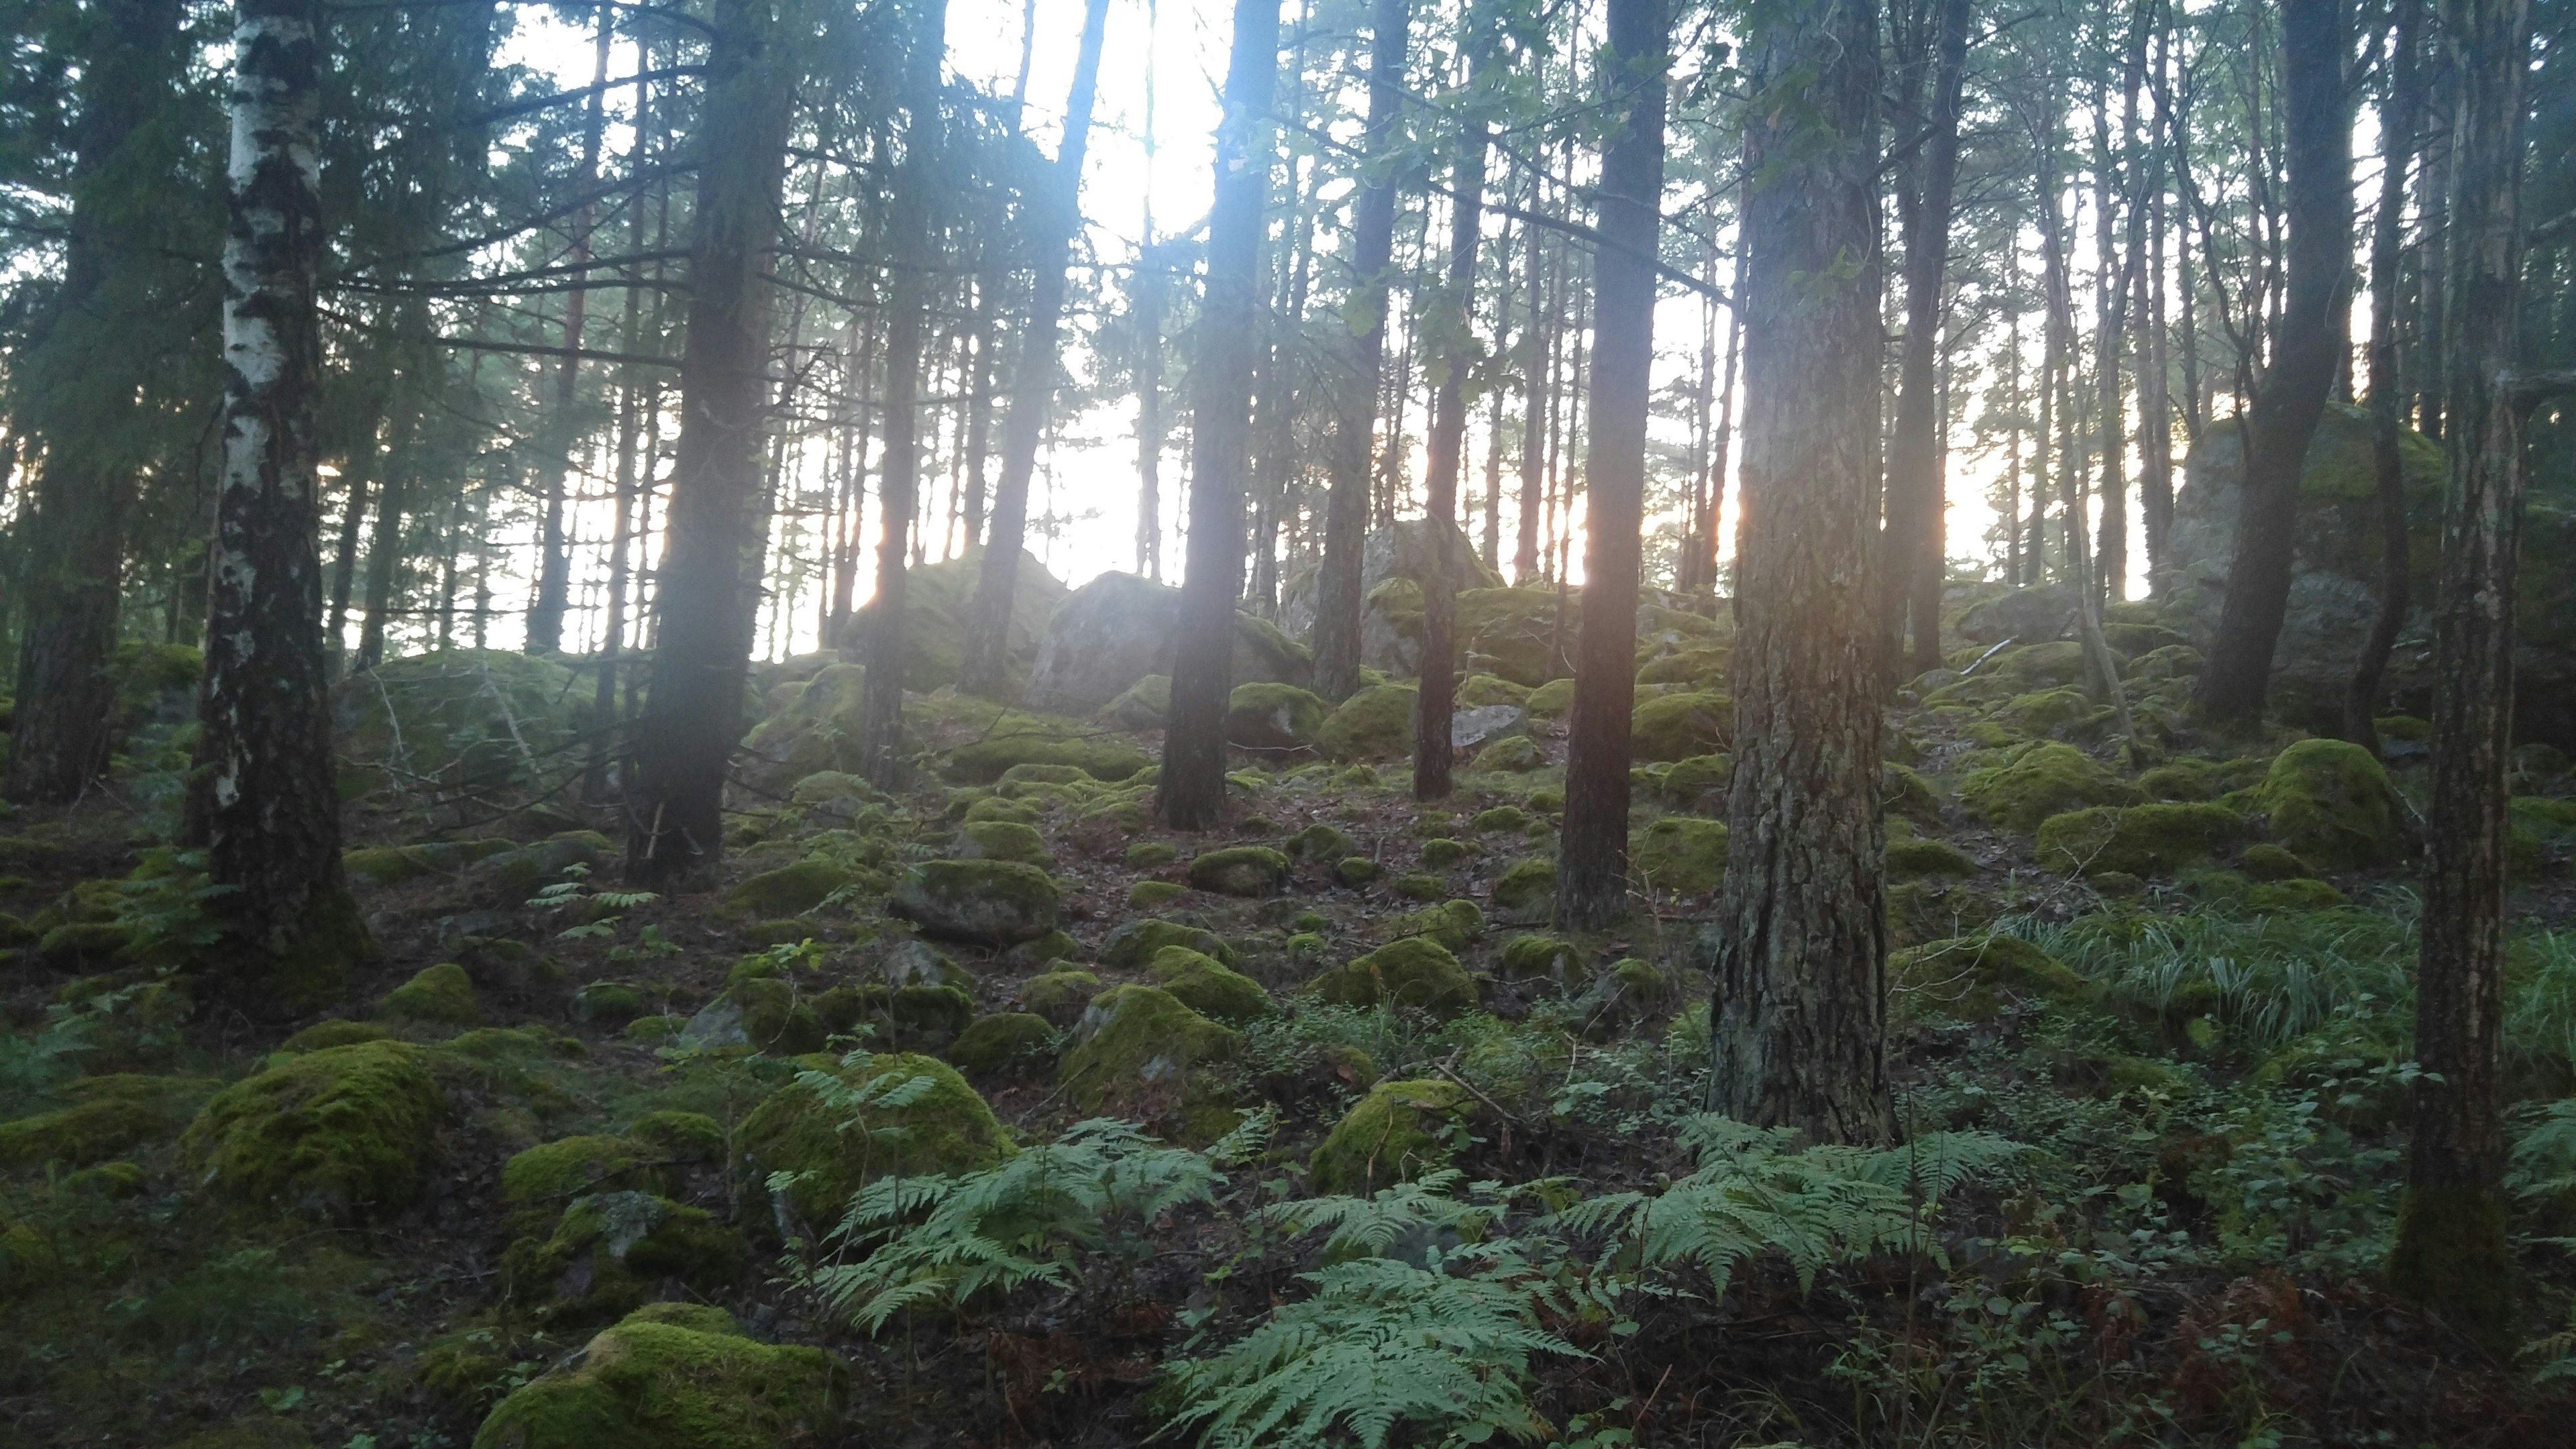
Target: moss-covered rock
(1397, 1132)
(514, 875)
(1005, 1043)
(1354, 870)
(1019, 738)
(1512, 754)
(442, 993)
(1060, 995)
(1451, 923)
(2139, 840)
(672, 1135)
(1146, 895)
(1442, 853)
(108, 1115)
(831, 1151)
(990, 902)
(1681, 855)
(339, 1135)
(2036, 781)
(1139, 941)
(1976, 977)
(1003, 840)
(1678, 726)
(392, 864)
(789, 890)
(609, 1252)
(1148, 854)
(675, 1376)
(1499, 818)
(2056, 662)
(1321, 842)
(1273, 717)
(1477, 690)
(1620, 998)
(2265, 861)
(1415, 972)
(1526, 893)
(1912, 857)
(1141, 1052)
(1240, 870)
(1539, 955)
(2293, 896)
(322, 1035)
(1373, 724)
(2066, 712)
(2330, 801)
(537, 1184)
(1207, 987)
(83, 945)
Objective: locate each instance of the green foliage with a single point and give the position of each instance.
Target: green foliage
(339, 1134)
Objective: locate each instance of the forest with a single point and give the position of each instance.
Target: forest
(1343, 724)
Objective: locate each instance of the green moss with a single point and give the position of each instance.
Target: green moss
(1442, 853)
(674, 1385)
(2405, 727)
(655, 1028)
(1142, 1052)
(83, 945)
(1679, 855)
(1526, 892)
(2140, 840)
(2034, 666)
(1009, 1041)
(2050, 711)
(673, 1135)
(610, 1251)
(2294, 895)
(1539, 955)
(322, 1035)
(1415, 972)
(1678, 726)
(440, 993)
(990, 902)
(1911, 858)
(392, 864)
(1512, 754)
(339, 1134)
(1139, 941)
(1240, 870)
(1208, 988)
(81, 1133)
(1373, 724)
(1354, 870)
(2330, 801)
(1145, 895)
(1477, 690)
(2268, 862)
(1269, 716)
(1005, 840)
(1397, 1132)
(537, 1184)
(787, 891)
(2038, 781)
(1059, 995)
(1974, 977)
(833, 1152)
(1699, 668)
(1147, 854)
(1422, 886)
(1499, 818)
(1019, 738)
(1451, 923)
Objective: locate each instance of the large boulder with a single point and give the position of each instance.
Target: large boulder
(673, 1375)
(2043, 611)
(2334, 589)
(1119, 628)
(899, 1113)
(987, 902)
(340, 1135)
(939, 609)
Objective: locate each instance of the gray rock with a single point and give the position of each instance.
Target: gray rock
(717, 1024)
(1469, 728)
(1120, 628)
(2028, 615)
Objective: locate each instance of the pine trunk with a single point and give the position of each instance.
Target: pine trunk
(2401, 111)
(1592, 865)
(263, 802)
(1799, 944)
(1448, 444)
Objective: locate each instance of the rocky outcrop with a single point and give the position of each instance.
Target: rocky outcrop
(1120, 628)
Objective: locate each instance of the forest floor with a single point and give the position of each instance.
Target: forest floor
(2148, 1043)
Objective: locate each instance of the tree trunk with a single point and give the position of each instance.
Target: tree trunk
(1799, 944)
(714, 522)
(385, 549)
(1448, 441)
(988, 638)
(1191, 794)
(2451, 1251)
(263, 801)
(2120, 267)
(1539, 345)
(2292, 395)
(82, 406)
(2401, 112)
(899, 484)
(554, 555)
(2155, 401)
(1149, 411)
(2432, 327)
(1346, 505)
(1592, 864)
(1914, 454)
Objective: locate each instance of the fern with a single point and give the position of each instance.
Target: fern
(914, 1243)
(2544, 1159)
(1410, 1210)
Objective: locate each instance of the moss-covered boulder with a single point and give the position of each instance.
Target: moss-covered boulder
(1240, 870)
(1003, 840)
(392, 864)
(540, 1182)
(2055, 663)
(1976, 977)
(2064, 712)
(442, 993)
(1680, 855)
(339, 1135)
(2036, 781)
(512, 876)
(2330, 801)
(1678, 726)
(1207, 987)
(1059, 996)
(1374, 724)
(902, 1113)
(675, 1376)
(1020, 738)
(1005, 1043)
(322, 1035)
(1442, 853)
(789, 890)
(1451, 923)
(815, 732)
(2264, 861)
(1273, 717)
(107, 1116)
(1911, 857)
(1141, 1052)
(1144, 705)
(1321, 842)
(988, 902)
(1539, 955)
(1397, 1132)
(1526, 893)
(1482, 689)
(1416, 972)
(611, 1252)
(1137, 942)
(2139, 840)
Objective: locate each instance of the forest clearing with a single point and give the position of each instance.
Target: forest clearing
(1346, 724)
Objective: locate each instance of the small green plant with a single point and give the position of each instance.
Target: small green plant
(163, 907)
(574, 891)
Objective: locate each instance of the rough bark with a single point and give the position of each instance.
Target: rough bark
(2292, 394)
(908, 226)
(2451, 1251)
(1592, 864)
(713, 524)
(1191, 793)
(1799, 945)
(988, 638)
(1346, 504)
(263, 801)
(79, 372)
(2401, 112)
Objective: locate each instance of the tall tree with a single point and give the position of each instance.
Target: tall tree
(2317, 117)
(2451, 1251)
(1536, 398)
(1592, 865)
(988, 637)
(1446, 446)
(263, 800)
(1191, 793)
(563, 427)
(716, 525)
(916, 188)
(1800, 944)
(81, 369)
(1346, 505)
(1911, 551)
